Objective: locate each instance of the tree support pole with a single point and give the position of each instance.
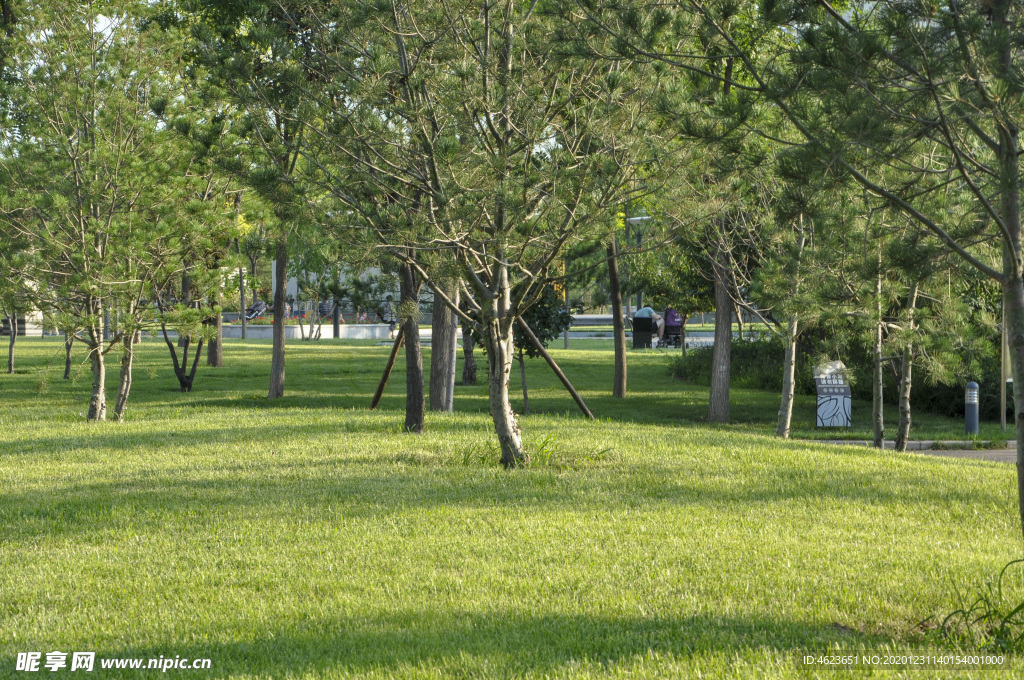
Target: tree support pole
(554, 367)
(387, 369)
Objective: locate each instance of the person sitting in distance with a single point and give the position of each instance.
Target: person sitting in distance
(387, 315)
(646, 312)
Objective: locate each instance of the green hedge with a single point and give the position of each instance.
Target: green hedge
(757, 364)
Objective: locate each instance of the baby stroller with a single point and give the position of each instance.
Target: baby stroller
(325, 308)
(256, 310)
(673, 329)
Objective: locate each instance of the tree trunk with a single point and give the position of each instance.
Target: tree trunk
(254, 291)
(618, 324)
(241, 298)
(415, 404)
(124, 385)
(443, 353)
(878, 369)
(185, 378)
(1013, 281)
(189, 379)
(69, 340)
(181, 371)
(682, 333)
(792, 332)
(788, 379)
(280, 294)
(313, 316)
(468, 360)
(565, 301)
(906, 368)
(522, 378)
(877, 374)
(186, 298)
(499, 369)
(98, 400)
(721, 355)
(877, 413)
(215, 349)
(1013, 292)
(10, 346)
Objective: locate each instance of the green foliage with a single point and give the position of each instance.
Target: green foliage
(547, 318)
(674, 276)
(189, 321)
(108, 201)
(254, 95)
(756, 364)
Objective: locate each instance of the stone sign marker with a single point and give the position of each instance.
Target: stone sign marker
(834, 409)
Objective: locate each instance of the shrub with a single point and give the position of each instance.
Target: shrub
(757, 364)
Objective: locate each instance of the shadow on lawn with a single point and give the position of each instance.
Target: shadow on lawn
(664, 407)
(347, 379)
(493, 645)
(369, 486)
(249, 434)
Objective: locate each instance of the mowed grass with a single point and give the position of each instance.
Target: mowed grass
(308, 537)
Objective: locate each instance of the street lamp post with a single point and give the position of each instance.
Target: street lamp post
(639, 219)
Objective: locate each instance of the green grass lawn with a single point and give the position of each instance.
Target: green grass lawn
(310, 538)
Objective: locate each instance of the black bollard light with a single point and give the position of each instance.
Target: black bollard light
(971, 408)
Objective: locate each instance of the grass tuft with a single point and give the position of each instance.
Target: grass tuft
(993, 618)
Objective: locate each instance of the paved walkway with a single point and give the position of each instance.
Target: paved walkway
(945, 449)
(993, 455)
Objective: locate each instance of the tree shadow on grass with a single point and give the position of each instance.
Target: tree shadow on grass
(370, 486)
(247, 433)
(498, 645)
(346, 377)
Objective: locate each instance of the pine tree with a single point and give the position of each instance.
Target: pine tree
(93, 177)
(255, 57)
(470, 143)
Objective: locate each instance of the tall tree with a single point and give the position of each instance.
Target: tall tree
(16, 291)
(256, 57)
(468, 133)
(93, 176)
(918, 102)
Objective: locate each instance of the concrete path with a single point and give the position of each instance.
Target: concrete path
(945, 449)
(992, 455)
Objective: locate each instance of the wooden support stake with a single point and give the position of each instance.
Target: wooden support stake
(554, 367)
(387, 369)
